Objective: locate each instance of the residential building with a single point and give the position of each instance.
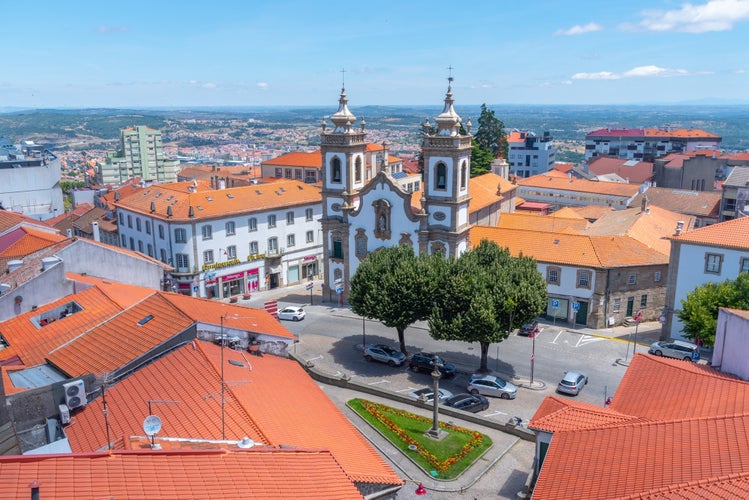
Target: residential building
(567, 191)
(700, 171)
(647, 144)
(735, 194)
(360, 216)
(709, 254)
(704, 206)
(529, 154)
(140, 154)
(650, 440)
(630, 171)
(731, 348)
(231, 175)
(30, 175)
(225, 242)
(491, 195)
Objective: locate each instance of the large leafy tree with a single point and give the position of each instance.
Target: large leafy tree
(485, 294)
(699, 311)
(489, 142)
(396, 287)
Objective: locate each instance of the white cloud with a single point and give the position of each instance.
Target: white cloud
(579, 29)
(209, 85)
(715, 15)
(566, 82)
(638, 72)
(261, 85)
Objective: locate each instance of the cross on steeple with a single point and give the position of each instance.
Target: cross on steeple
(343, 78)
(450, 75)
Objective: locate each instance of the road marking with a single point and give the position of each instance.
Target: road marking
(556, 337)
(586, 339)
(406, 390)
(379, 382)
(495, 414)
(313, 359)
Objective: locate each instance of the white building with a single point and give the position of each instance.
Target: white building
(226, 242)
(529, 154)
(30, 180)
(732, 342)
(361, 216)
(710, 254)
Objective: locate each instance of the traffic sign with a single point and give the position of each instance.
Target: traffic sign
(309, 285)
(554, 303)
(638, 316)
(576, 306)
(339, 290)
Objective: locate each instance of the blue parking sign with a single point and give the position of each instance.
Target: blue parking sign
(555, 303)
(576, 306)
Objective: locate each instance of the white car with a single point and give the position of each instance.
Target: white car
(427, 394)
(292, 313)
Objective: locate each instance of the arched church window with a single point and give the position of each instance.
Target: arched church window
(336, 246)
(360, 244)
(357, 169)
(335, 168)
(463, 175)
(440, 181)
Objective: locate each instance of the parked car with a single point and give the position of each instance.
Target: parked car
(490, 385)
(384, 354)
(529, 328)
(678, 349)
(427, 393)
(423, 362)
(468, 402)
(292, 313)
(572, 382)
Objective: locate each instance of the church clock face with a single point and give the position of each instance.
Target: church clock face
(440, 216)
(336, 207)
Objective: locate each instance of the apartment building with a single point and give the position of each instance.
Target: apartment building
(140, 154)
(30, 176)
(529, 154)
(568, 191)
(224, 242)
(647, 144)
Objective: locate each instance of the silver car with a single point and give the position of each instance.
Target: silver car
(427, 394)
(490, 385)
(384, 354)
(572, 382)
(678, 349)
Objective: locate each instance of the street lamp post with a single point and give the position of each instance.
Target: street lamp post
(533, 354)
(435, 430)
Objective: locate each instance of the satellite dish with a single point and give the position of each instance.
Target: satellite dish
(151, 425)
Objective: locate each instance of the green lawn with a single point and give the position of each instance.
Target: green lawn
(443, 459)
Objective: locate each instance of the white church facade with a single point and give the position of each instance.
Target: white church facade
(360, 216)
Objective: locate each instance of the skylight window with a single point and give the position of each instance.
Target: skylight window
(145, 320)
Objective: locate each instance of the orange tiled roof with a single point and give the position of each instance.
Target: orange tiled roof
(253, 408)
(9, 220)
(729, 234)
(297, 159)
(26, 240)
(121, 340)
(686, 133)
(244, 318)
(556, 415)
(592, 212)
(216, 474)
(555, 222)
(624, 460)
(484, 190)
(570, 249)
(33, 343)
(720, 488)
(207, 203)
(121, 293)
(635, 172)
(579, 185)
(699, 203)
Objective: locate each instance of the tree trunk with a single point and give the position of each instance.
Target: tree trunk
(484, 368)
(402, 338)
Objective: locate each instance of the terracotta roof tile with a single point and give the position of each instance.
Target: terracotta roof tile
(33, 343)
(10, 220)
(123, 294)
(122, 339)
(26, 240)
(697, 203)
(297, 159)
(636, 172)
(683, 133)
(484, 190)
(253, 473)
(719, 488)
(263, 397)
(580, 185)
(547, 223)
(207, 203)
(556, 415)
(729, 234)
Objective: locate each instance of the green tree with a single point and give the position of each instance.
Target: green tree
(484, 295)
(396, 287)
(699, 311)
(490, 141)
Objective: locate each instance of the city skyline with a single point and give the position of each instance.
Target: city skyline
(300, 53)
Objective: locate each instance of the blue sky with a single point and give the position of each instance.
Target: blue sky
(276, 52)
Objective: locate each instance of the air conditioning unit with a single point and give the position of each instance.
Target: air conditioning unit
(64, 414)
(75, 394)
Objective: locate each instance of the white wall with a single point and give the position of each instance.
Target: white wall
(731, 348)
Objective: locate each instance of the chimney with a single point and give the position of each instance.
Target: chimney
(95, 229)
(48, 262)
(69, 232)
(221, 184)
(14, 264)
(644, 208)
(191, 212)
(679, 227)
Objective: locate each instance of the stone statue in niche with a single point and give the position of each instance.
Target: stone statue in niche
(382, 219)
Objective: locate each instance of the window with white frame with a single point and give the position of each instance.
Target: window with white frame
(583, 279)
(208, 257)
(553, 275)
(180, 235)
(643, 301)
(632, 279)
(290, 217)
(254, 248)
(183, 260)
(744, 266)
(207, 231)
(310, 236)
(713, 262)
(252, 224)
(231, 228)
(272, 220)
(308, 214)
(617, 305)
(272, 245)
(231, 252)
(290, 240)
